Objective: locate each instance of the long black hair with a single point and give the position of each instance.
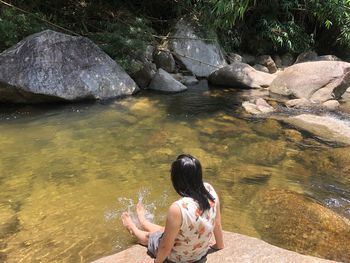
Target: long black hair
(186, 176)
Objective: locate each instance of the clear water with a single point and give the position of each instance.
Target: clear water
(67, 172)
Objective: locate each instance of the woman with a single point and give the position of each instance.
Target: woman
(190, 222)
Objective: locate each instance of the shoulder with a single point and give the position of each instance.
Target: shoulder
(174, 214)
(210, 189)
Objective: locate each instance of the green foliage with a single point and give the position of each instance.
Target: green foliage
(14, 27)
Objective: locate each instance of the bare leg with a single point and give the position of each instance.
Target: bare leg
(142, 236)
(148, 226)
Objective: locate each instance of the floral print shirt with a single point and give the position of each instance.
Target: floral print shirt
(192, 241)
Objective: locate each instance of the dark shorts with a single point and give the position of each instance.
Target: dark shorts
(153, 245)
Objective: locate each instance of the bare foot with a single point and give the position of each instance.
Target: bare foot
(140, 211)
(127, 222)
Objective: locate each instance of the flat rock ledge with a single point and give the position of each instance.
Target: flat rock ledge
(239, 248)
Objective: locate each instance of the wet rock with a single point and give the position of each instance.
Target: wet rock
(261, 68)
(240, 75)
(268, 128)
(267, 152)
(165, 60)
(298, 103)
(164, 82)
(331, 104)
(293, 135)
(199, 57)
(189, 80)
(234, 57)
(315, 81)
(51, 66)
(298, 223)
(330, 163)
(306, 57)
(263, 106)
(251, 108)
(259, 107)
(144, 76)
(268, 62)
(287, 60)
(327, 128)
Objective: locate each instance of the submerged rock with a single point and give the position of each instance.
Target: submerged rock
(51, 66)
(240, 75)
(315, 81)
(163, 81)
(259, 107)
(298, 223)
(327, 128)
(199, 56)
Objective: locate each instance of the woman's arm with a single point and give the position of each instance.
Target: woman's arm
(219, 239)
(172, 228)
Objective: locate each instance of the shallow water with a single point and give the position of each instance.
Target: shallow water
(67, 173)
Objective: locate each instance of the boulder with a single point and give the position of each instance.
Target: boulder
(316, 81)
(306, 57)
(201, 57)
(298, 103)
(327, 128)
(287, 60)
(248, 59)
(278, 61)
(261, 68)
(51, 66)
(165, 60)
(234, 57)
(331, 104)
(238, 248)
(298, 223)
(189, 80)
(240, 75)
(164, 82)
(328, 58)
(144, 76)
(268, 62)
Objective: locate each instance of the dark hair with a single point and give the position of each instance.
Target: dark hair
(186, 176)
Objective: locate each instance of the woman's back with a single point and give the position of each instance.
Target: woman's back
(192, 242)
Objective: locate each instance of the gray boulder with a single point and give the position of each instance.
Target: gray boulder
(287, 60)
(249, 59)
(164, 82)
(268, 62)
(164, 59)
(328, 58)
(261, 68)
(306, 57)
(51, 66)
(316, 81)
(144, 75)
(240, 75)
(198, 56)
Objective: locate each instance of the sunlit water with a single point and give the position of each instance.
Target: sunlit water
(67, 172)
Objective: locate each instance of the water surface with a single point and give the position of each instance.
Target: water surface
(67, 172)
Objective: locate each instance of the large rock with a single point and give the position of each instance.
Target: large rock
(164, 59)
(164, 82)
(316, 81)
(268, 62)
(298, 223)
(240, 75)
(51, 66)
(327, 128)
(201, 57)
(306, 57)
(145, 74)
(238, 249)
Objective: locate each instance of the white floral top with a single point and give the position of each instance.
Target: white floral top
(192, 242)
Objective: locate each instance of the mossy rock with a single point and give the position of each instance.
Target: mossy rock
(298, 223)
